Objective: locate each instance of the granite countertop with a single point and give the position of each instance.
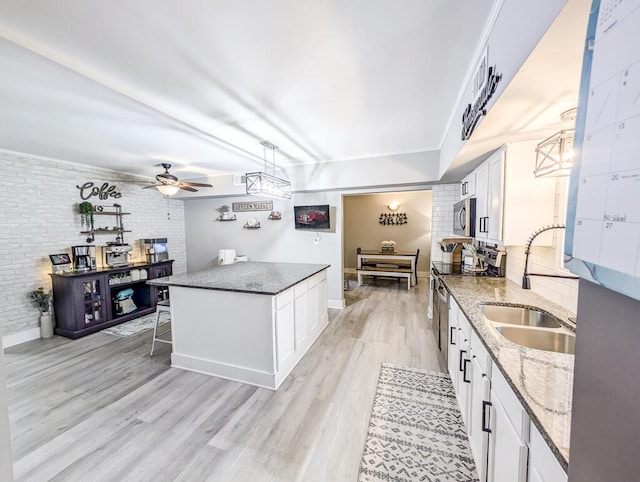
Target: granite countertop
(245, 277)
(542, 380)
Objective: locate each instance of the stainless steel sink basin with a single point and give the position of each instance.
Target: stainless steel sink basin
(557, 341)
(517, 315)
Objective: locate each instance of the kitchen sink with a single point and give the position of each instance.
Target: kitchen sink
(557, 341)
(519, 315)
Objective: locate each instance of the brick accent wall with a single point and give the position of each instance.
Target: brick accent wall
(38, 217)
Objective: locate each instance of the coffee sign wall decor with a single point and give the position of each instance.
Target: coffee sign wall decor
(103, 192)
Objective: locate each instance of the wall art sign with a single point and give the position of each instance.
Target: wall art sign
(474, 112)
(252, 206)
(106, 191)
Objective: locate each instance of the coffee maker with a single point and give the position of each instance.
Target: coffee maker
(116, 255)
(155, 249)
(84, 257)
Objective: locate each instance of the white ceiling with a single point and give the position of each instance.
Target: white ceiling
(127, 85)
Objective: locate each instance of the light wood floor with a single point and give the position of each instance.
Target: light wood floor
(99, 408)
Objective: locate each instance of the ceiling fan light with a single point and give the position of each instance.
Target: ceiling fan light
(167, 189)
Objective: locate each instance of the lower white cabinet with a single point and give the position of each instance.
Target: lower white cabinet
(479, 406)
(543, 466)
(509, 434)
(505, 445)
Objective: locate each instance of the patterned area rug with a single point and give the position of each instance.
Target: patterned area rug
(133, 327)
(416, 432)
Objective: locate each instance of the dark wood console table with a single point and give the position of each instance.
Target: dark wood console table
(85, 301)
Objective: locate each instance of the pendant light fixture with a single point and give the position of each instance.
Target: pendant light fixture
(268, 185)
(554, 155)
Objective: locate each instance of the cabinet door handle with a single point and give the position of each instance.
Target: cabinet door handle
(485, 418)
(464, 370)
(460, 365)
(451, 340)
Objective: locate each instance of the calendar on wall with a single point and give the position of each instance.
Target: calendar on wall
(603, 220)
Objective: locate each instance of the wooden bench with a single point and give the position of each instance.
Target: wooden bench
(389, 272)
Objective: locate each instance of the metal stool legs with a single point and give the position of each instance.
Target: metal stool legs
(162, 306)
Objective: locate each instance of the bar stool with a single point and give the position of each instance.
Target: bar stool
(162, 306)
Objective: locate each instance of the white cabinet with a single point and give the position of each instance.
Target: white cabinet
(479, 404)
(509, 424)
(511, 202)
(468, 186)
(543, 466)
(284, 329)
(301, 314)
(489, 197)
(454, 346)
(463, 365)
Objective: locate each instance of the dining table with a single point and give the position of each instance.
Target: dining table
(390, 257)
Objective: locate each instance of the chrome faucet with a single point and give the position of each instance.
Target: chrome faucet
(526, 282)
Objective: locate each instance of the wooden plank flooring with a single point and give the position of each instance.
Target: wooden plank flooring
(99, 408)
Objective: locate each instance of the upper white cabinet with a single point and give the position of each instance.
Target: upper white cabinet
(511, 203)
(468, 186)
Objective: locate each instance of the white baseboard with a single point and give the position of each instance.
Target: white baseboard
(21, 337)
(336, 304)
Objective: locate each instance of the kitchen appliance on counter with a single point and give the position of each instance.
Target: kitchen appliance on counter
(226, 256)
(115, 255)
(154, 249)
(84, 257)
(464, 217)
(490, 262)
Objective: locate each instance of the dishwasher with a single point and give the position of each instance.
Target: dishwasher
(440, 321)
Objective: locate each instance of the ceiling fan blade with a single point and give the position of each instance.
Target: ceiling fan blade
(196, 184)
(152, 185)
(187, 188)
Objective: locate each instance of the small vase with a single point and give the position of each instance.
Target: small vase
(225, 215)
(46, 325)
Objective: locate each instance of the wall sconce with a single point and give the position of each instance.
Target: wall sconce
(554, 155)
(393, 206)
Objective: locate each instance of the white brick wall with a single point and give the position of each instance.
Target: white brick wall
(444, 196)
(38, 217)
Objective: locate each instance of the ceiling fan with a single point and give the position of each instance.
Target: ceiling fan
(168, 184)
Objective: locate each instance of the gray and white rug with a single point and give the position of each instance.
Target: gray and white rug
(416, 432)
(133, 327)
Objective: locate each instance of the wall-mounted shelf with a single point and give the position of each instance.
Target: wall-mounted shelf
(99, 210)
(105, 231)
(220, 218)
(257, 226)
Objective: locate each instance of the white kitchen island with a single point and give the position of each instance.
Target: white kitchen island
(248, 321)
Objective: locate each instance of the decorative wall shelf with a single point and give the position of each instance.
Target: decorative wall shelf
(257, 226)
(220, 218)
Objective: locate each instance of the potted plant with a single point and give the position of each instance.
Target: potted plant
(86, 214)
(41, 299)
(224, 211)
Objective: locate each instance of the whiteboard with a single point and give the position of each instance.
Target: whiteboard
(603, 221)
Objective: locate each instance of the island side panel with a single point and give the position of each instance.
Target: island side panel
(222, 333)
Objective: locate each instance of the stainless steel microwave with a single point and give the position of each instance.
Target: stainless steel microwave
(464, 217)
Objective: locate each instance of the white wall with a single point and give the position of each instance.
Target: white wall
(6, 464)
(275, 241)
(38, 217)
